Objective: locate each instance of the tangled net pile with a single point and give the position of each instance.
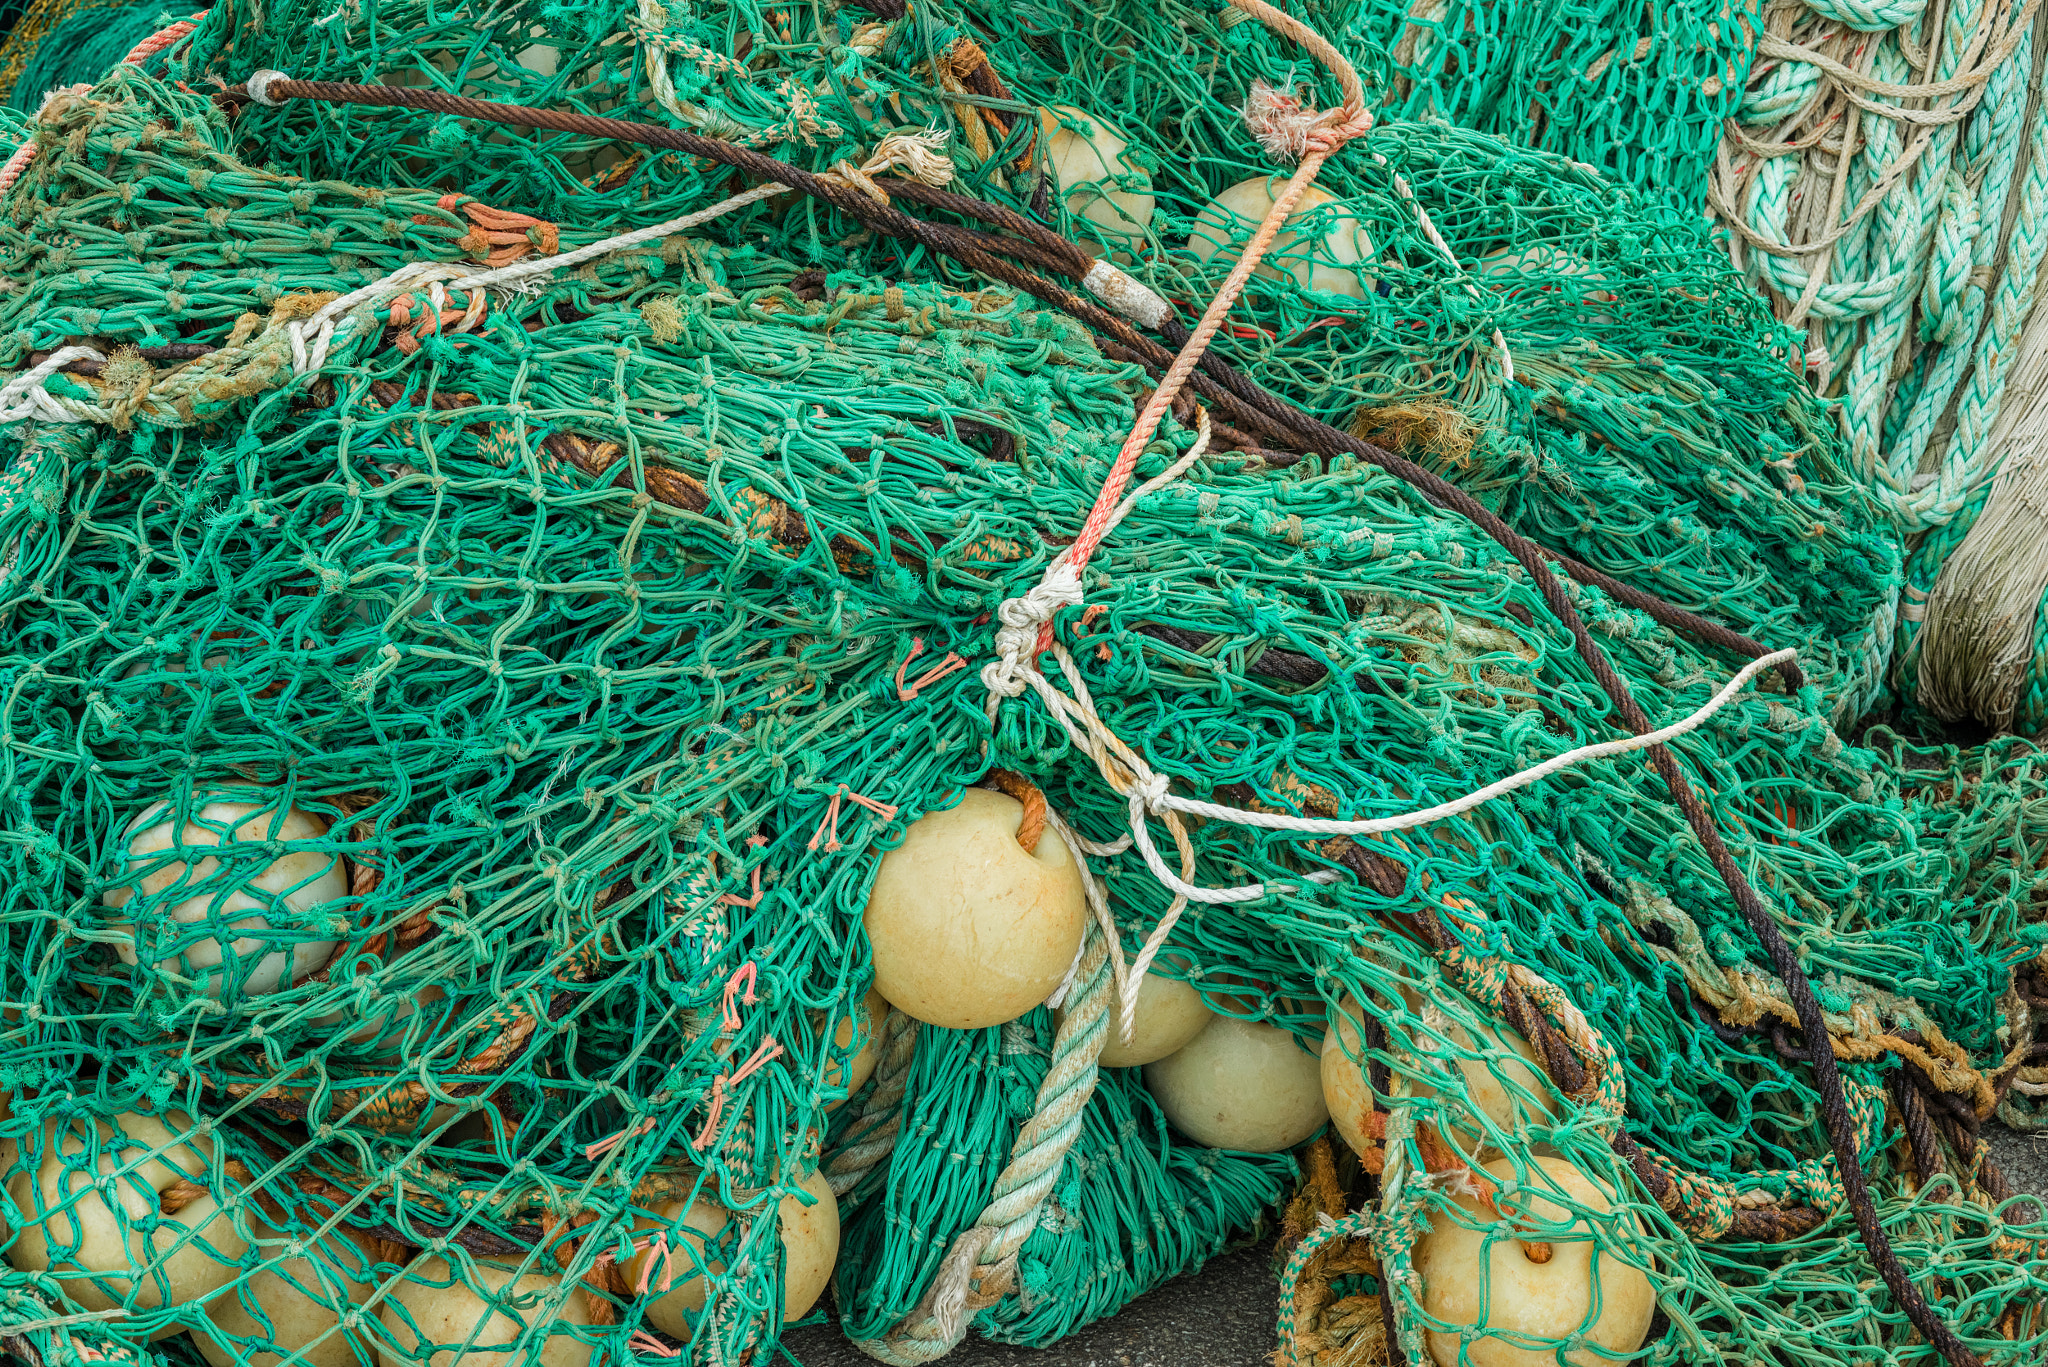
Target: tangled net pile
(587, 639)
(1880, 171)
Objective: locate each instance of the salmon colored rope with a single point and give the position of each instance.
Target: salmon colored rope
(1332, 130)
(161, 39)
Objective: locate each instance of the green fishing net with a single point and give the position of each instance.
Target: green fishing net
(1669, 447)
(434, 872)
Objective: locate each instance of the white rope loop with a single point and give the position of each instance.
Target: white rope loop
(1147, 791)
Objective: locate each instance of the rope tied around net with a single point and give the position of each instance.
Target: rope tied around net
(163, 38)
(1281, 122)
(295, 341)
(1127, 300)
(980, 1266)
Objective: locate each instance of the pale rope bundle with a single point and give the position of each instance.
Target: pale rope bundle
(1977, 621)
(1976, 648)
(1869, 183)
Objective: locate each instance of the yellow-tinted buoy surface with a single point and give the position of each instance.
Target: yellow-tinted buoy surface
(438, 1320)
(810, 1242)
(283, 897)
(1170, 1013)
(1315, 264)
(85, 1218)
(968, 929)
(1495, 1286)
(868, 1019)
(1506, 1054)
(1240, 1085)
(295, 1303)
(687, 1250)
(1089, 164)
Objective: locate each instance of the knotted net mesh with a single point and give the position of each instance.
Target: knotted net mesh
(448, 753)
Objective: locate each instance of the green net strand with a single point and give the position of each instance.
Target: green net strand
(567, 632)
(81, 48)
(1643, 380)
(1640, 92)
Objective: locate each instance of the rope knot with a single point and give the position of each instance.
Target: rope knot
(1022, 620)
(1341, 126)
(1151, 790)
(920, 155)
(1289, 127)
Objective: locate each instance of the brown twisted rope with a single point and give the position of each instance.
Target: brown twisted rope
(1032, 825)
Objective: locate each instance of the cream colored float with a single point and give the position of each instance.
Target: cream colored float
(1324, 264)
(1241, 1085)
(85, 1215)
(1086, 155)
(969, 929)
(810, 1243)
(438, 1319)
(866, 1020)
(1169, 1015)
(244, 892)
(295, 1303)
(1485, 1278)
(1505, 1083)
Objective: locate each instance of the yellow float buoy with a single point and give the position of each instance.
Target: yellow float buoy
(296, 1304)
(437, 1319)
(1485, 1278)
(1240, 1085)
(274, 894)
(969, 928)
(810, 1244)
(1327, 264)
(1169, 1014)
(85, 1217)
(1085, 154)
(1491, 1082)
(867, 1019)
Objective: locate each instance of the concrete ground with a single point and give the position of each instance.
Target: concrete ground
(1224, 1315)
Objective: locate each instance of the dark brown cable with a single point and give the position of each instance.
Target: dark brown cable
(1246, 404)
(967, 247)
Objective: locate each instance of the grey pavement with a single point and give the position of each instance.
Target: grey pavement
(1224, 1315)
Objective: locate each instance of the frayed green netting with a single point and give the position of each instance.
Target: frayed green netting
(568, 628)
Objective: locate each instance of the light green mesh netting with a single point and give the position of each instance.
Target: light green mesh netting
(562, 632)
(1669, 447)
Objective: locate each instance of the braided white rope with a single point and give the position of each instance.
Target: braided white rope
(23, 396)
(1148, 791)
